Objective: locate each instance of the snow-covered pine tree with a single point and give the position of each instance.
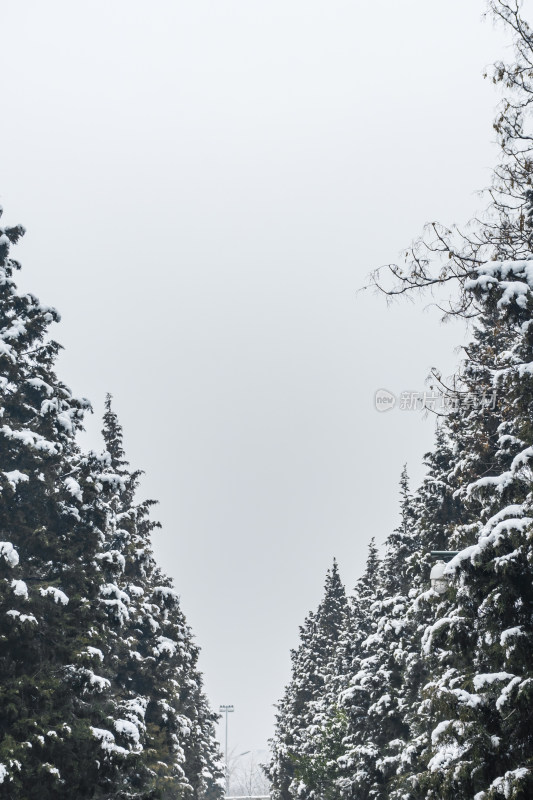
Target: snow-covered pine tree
(325, 734)
(54, 702)
(377, 731)
(304, 747)
(437, 508)
(472, 712)
(285, 743)
(154, 656)
(400, 544)
(353, 696)
(480, 692)
(466, 447)
(203, 761)
(435, 511)
(100, 695)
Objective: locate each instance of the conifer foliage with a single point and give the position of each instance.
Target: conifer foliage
(301, 759)
(435, 684)
(100, 693)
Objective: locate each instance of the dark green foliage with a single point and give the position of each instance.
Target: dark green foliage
(305, 743)
(100, 693)
(154, 656)
(436, 686)
(49, 576)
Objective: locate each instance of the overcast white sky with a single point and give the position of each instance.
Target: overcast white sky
(206, 186)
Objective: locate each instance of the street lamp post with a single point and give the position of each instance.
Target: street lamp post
(226, 710)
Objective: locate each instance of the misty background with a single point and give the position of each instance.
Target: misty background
(206, 186)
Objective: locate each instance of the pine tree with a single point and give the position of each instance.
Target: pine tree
(449, 673)
(353, 775)
(285, 745)
(480, 692)
(466, 745)
(53, 699)
(378, 730)
(436, 511)
(154, 656)
(304, 745)
(400, 543)
(100, 693)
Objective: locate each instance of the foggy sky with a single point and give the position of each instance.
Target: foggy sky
(206, 186)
